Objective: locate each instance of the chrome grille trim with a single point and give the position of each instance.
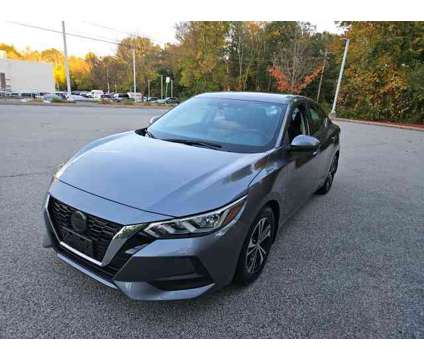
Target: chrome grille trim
(115, 244)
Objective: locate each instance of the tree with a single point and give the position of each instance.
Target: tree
(245, 49)
(202, 63)
(295, 65)
(146, 55)
(383, 76)
(11, 51)
(80, 73)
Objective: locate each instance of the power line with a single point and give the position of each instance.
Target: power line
(108, 28)
(60, 32)
(87, 37)
(122, 32)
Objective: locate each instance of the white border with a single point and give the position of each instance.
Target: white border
(174, 11)
(211, 349)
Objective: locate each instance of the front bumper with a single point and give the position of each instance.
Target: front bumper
(167, 269)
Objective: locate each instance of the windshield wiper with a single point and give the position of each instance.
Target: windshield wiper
(149, 134)
(195, 143)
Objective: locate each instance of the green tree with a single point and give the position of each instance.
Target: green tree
(202, 62)
(147, 57)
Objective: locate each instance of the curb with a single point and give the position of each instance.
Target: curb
(376, 123)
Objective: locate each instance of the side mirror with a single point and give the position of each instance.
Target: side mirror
(304, 143)
(153, 119)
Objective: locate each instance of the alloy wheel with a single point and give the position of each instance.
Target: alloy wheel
(330, 176)
(259, 244)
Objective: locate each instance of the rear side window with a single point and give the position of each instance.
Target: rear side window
(316, 119)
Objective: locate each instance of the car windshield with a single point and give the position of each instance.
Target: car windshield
(231, 125)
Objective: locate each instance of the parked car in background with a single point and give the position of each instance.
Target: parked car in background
(195, 200)
(29, 94)
(152, 99)
(41, 94)
(61, 94)
(106, 97)
(168, 100)
(96, 94)
(83, 93)
(80, 98)
(118, 97)
(136, 96)
(55, 97)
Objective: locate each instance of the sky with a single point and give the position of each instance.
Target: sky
(104, 19)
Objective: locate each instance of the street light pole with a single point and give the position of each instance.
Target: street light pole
(333, 110)
(161, 86)
(65, 55)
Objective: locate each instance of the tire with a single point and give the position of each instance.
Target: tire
(325, 188)
(254, 252)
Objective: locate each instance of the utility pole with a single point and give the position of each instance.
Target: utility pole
(148, 89)
(134, 75)
(172, 88)
(161, 86)
(333, 110)
(107, 79)
(322, 75)
(65, 55)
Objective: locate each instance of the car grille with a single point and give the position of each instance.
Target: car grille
(99, 231)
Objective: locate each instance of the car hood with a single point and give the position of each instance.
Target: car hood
(160, 176)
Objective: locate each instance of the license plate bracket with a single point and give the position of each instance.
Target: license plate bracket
(78, 242)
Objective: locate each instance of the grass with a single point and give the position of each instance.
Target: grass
(58, 101)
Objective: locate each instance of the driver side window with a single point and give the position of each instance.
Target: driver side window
(297, 125)
(316, 119)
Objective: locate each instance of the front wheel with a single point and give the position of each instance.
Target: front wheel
(324, 189)
(256, 247)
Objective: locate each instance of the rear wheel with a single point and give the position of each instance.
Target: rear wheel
(324, 189)
(256, 247)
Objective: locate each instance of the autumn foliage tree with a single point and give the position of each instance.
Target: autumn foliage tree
(295, 65)
(384, 76)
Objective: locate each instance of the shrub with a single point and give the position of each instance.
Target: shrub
(58, 101)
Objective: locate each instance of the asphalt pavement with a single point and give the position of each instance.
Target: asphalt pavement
(348, 265)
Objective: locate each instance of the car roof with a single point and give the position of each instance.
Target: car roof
(253, 96)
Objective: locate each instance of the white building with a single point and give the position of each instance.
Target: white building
(25, 76)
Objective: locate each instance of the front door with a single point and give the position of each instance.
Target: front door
(318, 129)
(301, 166)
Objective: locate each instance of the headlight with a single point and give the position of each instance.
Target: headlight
(198, 224)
